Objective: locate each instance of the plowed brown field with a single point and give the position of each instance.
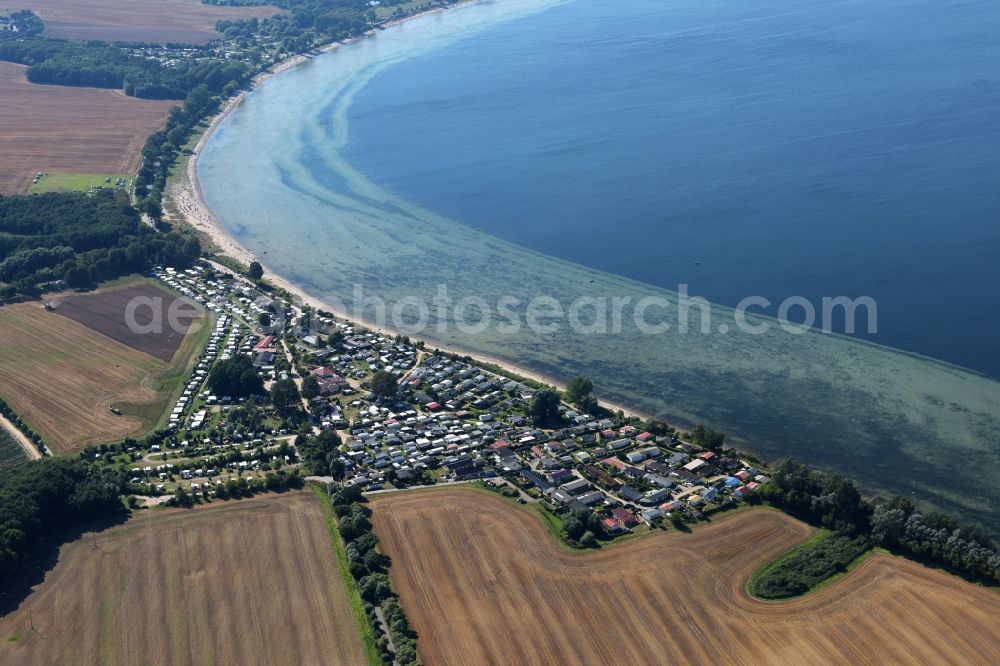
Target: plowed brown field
(484, 583)
(62, 377)
(148, 306)
(249, 582)
(158, 21)
(69, 130)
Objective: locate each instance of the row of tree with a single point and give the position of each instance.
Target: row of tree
(898, 524)
(370, 569)
(19, 423)
(162, 148)
(935, 537)
(239, 488)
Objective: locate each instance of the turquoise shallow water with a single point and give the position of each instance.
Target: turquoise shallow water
(356, 168)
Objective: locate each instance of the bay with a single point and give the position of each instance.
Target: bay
(437, 153)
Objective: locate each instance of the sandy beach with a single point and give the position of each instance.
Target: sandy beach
(185, 196)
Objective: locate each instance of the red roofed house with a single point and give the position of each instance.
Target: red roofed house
(614, 461)
(707, 456)
(645, 437)
(625, 517)
(266, 345)
(433, 406)
(611, 526)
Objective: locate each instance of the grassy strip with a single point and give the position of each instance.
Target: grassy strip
(75, 182)
(353, 594)
(756, 580)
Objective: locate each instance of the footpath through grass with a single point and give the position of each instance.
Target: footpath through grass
(350, 585)
(810, 566)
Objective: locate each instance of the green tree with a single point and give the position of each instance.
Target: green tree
(578, 388)
(544, 408)
(285, 396)
(310, 387)
(264, 319)
(384, 384)
(235, 377)
(255, 272)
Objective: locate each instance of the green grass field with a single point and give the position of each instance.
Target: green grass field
(74, 182)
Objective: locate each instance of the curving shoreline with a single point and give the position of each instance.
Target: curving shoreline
(187, 197)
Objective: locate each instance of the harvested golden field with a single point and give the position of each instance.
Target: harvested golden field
(248, 582)
(63, 377)
(157, 21)
(484, 583)
(66, 129)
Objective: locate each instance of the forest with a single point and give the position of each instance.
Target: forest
(41, 498)
(80, 239)
(99, 65)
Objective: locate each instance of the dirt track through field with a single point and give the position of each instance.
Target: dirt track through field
(184, 21)
(69, 130)
(484, 583)
(252, 582)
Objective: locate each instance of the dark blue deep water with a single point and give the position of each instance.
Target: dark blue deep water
(771, 147)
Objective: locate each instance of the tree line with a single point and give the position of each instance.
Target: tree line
(100, 65)
(19, 423)
(370, 570)
(933, 537)
(80, 239)
(240, 488)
